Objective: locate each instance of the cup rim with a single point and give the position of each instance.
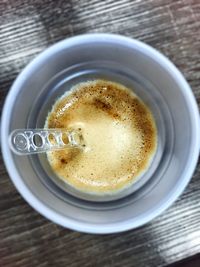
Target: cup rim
(91, 227)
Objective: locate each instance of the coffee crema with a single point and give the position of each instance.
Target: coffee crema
(119, 132)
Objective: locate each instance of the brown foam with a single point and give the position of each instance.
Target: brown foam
(119, 132)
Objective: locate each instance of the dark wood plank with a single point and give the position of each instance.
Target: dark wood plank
(189, 262)
(27, 27)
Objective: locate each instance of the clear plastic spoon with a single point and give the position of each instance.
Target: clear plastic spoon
(32, 141)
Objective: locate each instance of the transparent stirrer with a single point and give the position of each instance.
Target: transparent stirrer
(32, 141)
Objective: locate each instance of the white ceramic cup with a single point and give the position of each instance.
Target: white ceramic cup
(155, 79)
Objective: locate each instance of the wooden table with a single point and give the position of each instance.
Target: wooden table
(27, 27)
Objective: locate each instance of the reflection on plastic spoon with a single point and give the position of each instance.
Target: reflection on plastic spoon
(32, 141)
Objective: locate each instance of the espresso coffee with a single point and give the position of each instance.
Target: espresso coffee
(119, 133)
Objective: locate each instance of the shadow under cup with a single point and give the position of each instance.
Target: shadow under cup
(155, 80)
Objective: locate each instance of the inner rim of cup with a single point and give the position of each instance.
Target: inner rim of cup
(110, 71)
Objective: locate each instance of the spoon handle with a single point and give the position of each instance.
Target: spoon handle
(32, 141)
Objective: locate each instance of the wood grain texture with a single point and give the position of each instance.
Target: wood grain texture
(27, 27)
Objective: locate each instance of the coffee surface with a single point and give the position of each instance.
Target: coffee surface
(119, 134)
